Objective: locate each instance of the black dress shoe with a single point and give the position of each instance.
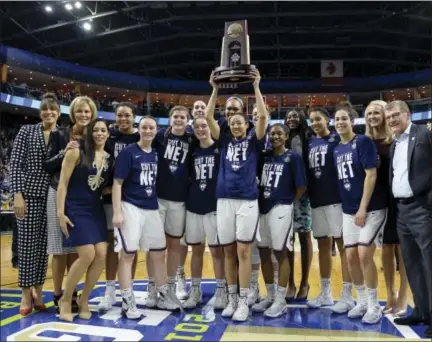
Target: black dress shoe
(427, 332)
(409, 320)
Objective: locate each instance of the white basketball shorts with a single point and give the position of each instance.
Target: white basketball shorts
(327, 221)
(237, 220)
(276, 228)
(173, 217)
(108, 208)
(142, 230)
(200, 228)
(372, 231)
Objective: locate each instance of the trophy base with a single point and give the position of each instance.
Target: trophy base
(235, 75)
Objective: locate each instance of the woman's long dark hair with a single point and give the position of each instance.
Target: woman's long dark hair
(87, 150)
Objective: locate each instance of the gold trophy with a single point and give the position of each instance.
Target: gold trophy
(235, 55)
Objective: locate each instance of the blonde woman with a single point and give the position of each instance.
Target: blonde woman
(82, 113)
(378, 130)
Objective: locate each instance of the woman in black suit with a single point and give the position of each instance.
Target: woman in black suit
(29, 186)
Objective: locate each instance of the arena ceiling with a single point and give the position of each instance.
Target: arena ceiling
(182, 40)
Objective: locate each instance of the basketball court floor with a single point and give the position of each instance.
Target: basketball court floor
(201, 324)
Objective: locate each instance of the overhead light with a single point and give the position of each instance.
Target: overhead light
(87, 26)
(31, 78)
(88, 85)
(108, 88)
(52, 77)
(45, 85)
(10, 70)
(97, 91)
(64, 84)
(48, 9)
(78, 5)
(16, 79)
(31, 72)
(123, 95)
(68, 6)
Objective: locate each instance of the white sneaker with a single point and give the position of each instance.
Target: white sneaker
(129, 308)
(221, 298)
(253, 294)
(165, 302)
(181, 292)
(358, 311)
(109, 299)
(261, 306)
(152, 296)
(242, 311)
(373, 315)
(231, 307)
(322, 300)
(344, 305)
(194, 298)
(277, 309)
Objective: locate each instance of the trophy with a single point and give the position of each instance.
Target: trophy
(235, 55)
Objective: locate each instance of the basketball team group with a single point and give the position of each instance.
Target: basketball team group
(93, 195)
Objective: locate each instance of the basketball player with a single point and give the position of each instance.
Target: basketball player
(327, 213)
(201, 222)
(282, 181)
(237, 193)
(119, 139)
(364, 212)
(254, 292)
(173, 148)
(136, 218)
(198, 110)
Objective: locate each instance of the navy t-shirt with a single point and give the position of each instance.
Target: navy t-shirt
(238, 167)
(351, 160)
(139, 170)
(173, 165)
(280, 176)
(114, 145)
(321, 172)
(204, 174)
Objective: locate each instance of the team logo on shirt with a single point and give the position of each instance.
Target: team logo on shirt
(204, 167)
(148, 177)
(331, 139)
(175, 153)
(317, 159)
(237, 154)
(271, 177)
(345, 169)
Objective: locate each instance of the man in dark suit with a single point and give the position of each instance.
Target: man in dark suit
(411, 185)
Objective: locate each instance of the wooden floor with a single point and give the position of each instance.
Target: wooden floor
(9, 275)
